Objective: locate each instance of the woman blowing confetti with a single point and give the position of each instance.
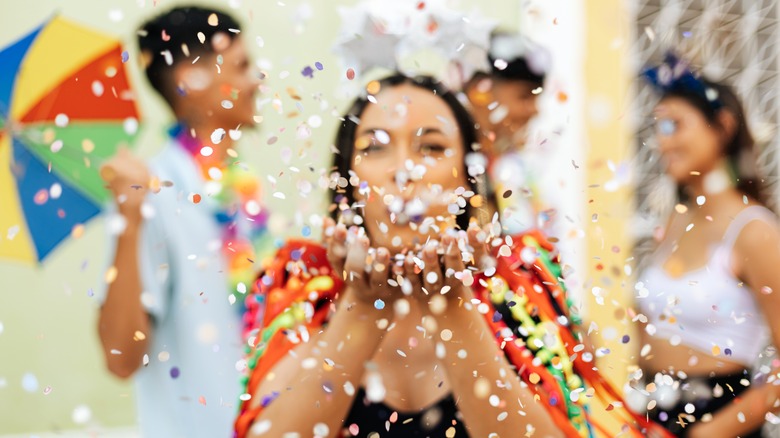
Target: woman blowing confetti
(410, 319)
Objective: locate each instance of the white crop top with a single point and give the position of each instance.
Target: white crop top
(707, 309)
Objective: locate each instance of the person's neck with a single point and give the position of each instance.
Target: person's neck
(714, 188)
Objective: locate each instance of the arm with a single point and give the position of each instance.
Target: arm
(339, 353)
(757, 255)
(486, 363)
(485, 370)
(123, 325)
(350, 340)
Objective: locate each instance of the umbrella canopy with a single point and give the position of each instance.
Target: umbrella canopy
(65, 107)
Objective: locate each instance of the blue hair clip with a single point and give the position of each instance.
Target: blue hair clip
(674, 75)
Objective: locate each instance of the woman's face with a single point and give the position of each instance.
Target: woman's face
(689, 144)
(409, 157)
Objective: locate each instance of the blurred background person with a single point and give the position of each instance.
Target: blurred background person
(503, 101)
(707, 291)
(190, 228)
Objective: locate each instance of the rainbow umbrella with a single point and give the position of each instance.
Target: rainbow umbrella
(65, 107)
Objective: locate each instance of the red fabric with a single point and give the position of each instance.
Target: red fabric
(508, 268)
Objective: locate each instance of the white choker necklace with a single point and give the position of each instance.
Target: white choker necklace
(716, 181)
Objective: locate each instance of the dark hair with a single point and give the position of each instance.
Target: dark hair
(345, 140)
(516, 69)
(739, 151)
(161, 41)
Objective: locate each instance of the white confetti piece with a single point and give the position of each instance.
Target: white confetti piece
(81, 414)
(61, 120)
(29, 382)
(218, 135)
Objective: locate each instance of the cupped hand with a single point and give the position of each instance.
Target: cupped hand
(128, 178)
(365, 270)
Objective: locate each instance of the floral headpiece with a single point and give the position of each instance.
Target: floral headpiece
(675, 75)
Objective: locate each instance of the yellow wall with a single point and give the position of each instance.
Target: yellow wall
(607, 88)
(47, 319)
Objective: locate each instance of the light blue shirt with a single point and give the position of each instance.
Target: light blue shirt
(191, 384)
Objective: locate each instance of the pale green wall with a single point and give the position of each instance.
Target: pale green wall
(47, 319)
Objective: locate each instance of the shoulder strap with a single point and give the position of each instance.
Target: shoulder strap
(744, 217)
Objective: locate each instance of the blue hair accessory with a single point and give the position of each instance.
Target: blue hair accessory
(675, 75)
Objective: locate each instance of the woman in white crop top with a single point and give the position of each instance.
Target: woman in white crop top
(711, 293)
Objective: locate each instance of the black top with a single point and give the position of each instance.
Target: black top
(431, 422)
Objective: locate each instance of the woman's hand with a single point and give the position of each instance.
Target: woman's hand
(365, 270)
(445, 270)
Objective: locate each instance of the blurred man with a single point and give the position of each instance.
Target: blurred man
(189, 223)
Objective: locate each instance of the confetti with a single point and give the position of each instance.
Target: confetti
(350, 74)
(218, 135)
(61, 120)
(379, 304)
(175, 372)
(81, 414)
(29, 382)
(481, 388)
(111, 274)
(373, 87)
(12, 232)
(437, 304)
(261, 427)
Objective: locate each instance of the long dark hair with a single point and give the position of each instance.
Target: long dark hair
(740, 149)
(345, 141)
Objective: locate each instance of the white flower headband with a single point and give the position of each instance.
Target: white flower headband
(382, 33)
